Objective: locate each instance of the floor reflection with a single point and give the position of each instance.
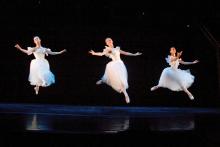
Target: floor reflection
(72, 124)
(116, 125)
(36, 123)
(101, 120)
(170, 123)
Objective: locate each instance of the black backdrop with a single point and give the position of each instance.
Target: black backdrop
(79, 26)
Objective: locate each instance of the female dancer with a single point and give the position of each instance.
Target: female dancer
(40, 74)
(115, 73)
(174, 78)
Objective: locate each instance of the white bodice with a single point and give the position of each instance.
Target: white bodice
(115, 54)
(173, 64)
(39, 53)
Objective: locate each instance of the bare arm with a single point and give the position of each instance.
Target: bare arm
(188, 63)
(28, 52)
(129, 54)
(48, 51)
(96, 53)
(105, 52)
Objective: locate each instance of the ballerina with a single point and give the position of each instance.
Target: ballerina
(115, 72)
(40, 74)
(174, 78)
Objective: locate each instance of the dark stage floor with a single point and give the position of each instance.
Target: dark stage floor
(167, 125)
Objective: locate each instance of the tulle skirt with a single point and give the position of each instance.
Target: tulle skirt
(172, 79)
(40, 73)
(116, 75)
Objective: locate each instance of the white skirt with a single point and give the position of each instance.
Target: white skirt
(116, 75)
(173, 79)
(40, 73)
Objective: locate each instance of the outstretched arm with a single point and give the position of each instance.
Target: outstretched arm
(28, 52)
(188, 63)
(48, 51)
(129, 54)
(105, 52)
(96, 53)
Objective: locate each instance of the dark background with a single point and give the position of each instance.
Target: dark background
(150, 27)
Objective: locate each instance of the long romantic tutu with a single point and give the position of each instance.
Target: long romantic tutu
(116, 75)
(171, 78)
(40, 73)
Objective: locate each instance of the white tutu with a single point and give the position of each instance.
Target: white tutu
(40, 73)
(116, 73)
(173, 77)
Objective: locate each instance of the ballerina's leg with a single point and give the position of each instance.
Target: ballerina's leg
(36, 88)
(99, 82)
(127, 99)
(123, 89)
(154, 88)
(186, 91)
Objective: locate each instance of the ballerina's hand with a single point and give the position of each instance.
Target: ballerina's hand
(63, 51)
(17, 46)
(196, 61)
(138, 53)
(92, 52)
(179, 54)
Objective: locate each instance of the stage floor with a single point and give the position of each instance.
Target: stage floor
(65, 125)
(105, 120)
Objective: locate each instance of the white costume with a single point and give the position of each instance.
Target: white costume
(173, 78)
(115, 72)
(40, 73)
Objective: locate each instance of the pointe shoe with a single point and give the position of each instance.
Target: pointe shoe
(127, 99)
(99, 82)
(191, 97)
(153, 88)
(36, 90)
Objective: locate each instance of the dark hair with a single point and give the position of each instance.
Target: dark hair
(36, 37)
(107, 38)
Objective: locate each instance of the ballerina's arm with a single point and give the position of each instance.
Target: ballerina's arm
(129, 54)
(28, 52)
(105, 52)
(188, 63)
(48, 51)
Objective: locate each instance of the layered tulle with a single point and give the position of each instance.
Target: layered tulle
(116, 75)
(40, 73)
(174, 78)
